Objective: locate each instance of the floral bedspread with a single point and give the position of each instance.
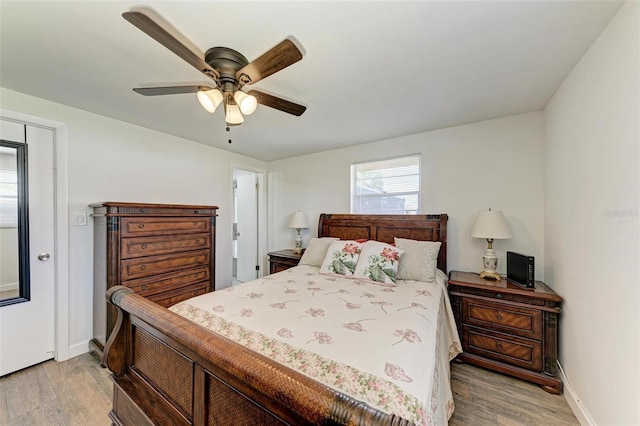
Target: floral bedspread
(387, 346)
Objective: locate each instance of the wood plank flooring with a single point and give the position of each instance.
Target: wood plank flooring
(483, 397)
(74, 392)
(78, 392)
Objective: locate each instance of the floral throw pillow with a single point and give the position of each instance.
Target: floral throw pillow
(341, 259)
(378, 263)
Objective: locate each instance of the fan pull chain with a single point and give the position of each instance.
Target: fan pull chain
(229, 131)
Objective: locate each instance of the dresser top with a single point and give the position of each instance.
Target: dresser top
(149, 205)
(289, 254)
(473, 280)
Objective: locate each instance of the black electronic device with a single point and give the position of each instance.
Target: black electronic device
(520, 269)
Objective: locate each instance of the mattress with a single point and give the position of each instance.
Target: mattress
(387, 346)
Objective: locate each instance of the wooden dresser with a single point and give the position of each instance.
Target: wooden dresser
(164, 252)
(508, 328)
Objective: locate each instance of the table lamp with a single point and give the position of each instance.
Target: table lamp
(492, 225)
(298, 220)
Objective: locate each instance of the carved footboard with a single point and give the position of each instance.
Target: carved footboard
(168, 370)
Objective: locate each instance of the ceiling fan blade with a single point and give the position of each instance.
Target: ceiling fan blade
(156, 31)
(278, 103)
(169, 90)
(279, 57)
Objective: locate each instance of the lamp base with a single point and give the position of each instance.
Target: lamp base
(490, 263)
(491, 275)
(297, 249)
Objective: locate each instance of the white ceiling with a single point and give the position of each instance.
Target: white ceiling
(372, 70)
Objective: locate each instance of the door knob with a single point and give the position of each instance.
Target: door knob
(44, 256)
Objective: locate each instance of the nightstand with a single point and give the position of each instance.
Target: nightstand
(508, 328)
(282, 260)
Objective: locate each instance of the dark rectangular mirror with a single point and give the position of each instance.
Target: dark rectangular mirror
(14, 224)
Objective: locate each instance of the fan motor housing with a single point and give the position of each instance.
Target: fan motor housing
(225, 60)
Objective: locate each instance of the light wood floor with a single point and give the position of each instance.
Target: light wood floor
(483, 397)
(8, 294)
(78, 392)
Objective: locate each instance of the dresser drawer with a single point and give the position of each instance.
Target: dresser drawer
(172, 297)
(149, 286)
(511, 349)
(138, 226)
(148, 246)
(502, 317)
(154, 265)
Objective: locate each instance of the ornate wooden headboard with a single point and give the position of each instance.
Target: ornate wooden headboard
(423, 227)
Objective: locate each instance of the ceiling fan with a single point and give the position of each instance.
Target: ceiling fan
(229, 70)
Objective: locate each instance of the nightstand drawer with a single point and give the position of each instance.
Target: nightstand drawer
(516, 351)
(501, 317)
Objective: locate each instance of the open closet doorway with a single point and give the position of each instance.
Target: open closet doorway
(248, 224)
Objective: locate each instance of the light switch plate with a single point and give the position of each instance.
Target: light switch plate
(80, 218)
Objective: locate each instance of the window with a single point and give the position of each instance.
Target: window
(389, 186)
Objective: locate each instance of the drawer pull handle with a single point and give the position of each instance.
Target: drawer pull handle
(141, 226)
(144, 246)
(195, 223)
(144, 286)
(498, 345)
(499, 315)
(143, 267)
(498, 296)
(195, 258)
(197, 241)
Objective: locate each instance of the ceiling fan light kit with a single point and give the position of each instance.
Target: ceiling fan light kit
(247, 103)
(210, 99)
(232, 115)
(228, 69)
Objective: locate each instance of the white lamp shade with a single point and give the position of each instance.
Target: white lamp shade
(491, 224)
(232, 114)
(298, 220)
(247, 103)
(210, 99)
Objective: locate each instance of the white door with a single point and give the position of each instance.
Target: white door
(247, 228)
(27, 328)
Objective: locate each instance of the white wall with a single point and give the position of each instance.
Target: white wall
(592, 206)
(495, 163)
(110, 160)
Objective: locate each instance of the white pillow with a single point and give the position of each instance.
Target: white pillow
(419, 261)
(316, 251)
(378, 263)
(341, 259)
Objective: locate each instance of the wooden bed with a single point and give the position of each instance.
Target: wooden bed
(169, 370)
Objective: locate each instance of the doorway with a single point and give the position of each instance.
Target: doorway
(60, 213)
(27, 318)
(247, 224)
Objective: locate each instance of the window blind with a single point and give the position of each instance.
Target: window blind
(388, 186)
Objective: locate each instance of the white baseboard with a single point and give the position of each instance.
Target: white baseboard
(78, 349)
(574, 401)
(9, 286)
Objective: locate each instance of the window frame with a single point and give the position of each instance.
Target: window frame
(353, 185)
